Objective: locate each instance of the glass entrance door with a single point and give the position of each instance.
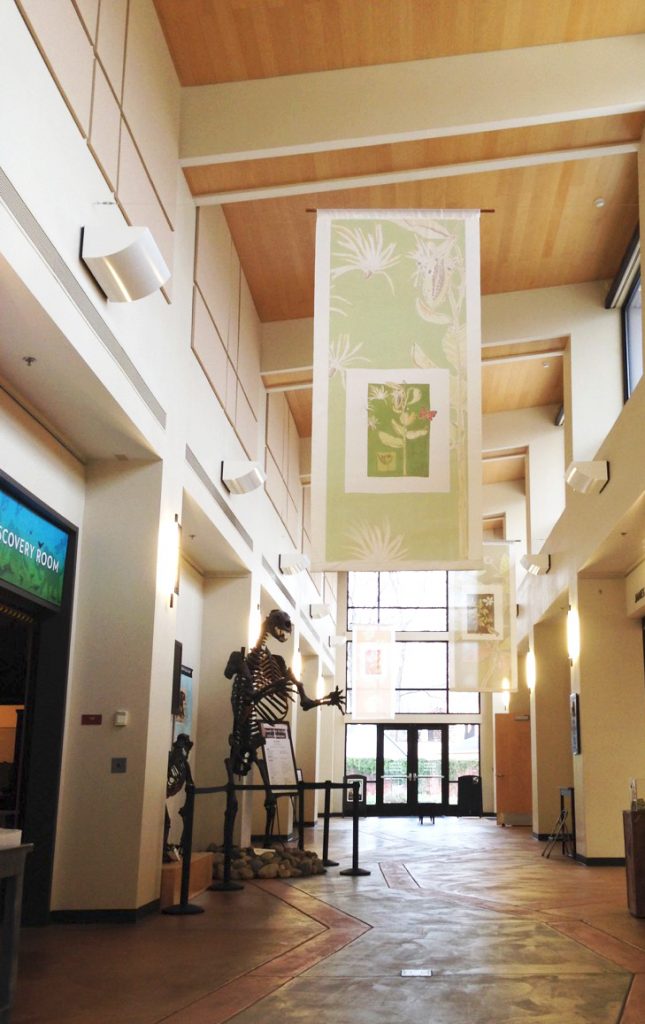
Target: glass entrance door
(412, 769)
(414, 776)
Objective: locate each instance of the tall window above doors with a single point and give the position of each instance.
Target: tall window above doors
(626, 294)
(416, 605)
(633, 336)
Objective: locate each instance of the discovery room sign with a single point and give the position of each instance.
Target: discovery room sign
(32, 552)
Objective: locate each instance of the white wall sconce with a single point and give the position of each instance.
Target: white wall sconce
(319, 611)
(573, 635)
(337, 641)
(530, 670)
(537, 565)
(292, 563)
(587, 477)
(241, 476)
(125, 261)
(168, 569)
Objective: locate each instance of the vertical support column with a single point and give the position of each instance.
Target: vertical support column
(306, 745)
(609, 679)
(122, 659)
(551, 755)
(227, 609)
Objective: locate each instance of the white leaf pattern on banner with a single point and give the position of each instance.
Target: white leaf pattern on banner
(366, 253)
(370, 542)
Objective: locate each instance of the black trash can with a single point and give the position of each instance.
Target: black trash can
(469, 796)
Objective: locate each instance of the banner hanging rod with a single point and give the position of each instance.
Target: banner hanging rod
(322, 209)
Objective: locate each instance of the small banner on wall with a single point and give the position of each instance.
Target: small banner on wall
(373, 682)
(396, 441)
(481, 616)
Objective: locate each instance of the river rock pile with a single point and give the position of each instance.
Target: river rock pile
(279, 862)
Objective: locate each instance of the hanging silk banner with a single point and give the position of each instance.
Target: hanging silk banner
(373, 683)
(481, 617)
(396, 440)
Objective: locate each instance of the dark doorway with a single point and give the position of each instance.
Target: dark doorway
(34, 659)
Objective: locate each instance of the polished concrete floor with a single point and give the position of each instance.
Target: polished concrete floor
(509, 937)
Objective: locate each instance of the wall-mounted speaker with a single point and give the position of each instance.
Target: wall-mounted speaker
(124, 261)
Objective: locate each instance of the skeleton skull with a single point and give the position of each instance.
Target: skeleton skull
(277, 624)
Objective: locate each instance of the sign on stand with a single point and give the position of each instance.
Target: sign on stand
(279, 756)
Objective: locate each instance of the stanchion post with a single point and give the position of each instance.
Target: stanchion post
(355, 870)
(188, 812)
(301, 816)
(227, 884)
(325, 850)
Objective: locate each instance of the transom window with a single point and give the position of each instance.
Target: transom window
(416, 605)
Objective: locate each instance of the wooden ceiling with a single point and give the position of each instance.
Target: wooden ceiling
(542, 178)
(214, 41)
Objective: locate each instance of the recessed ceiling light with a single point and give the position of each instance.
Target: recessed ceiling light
(599, 202)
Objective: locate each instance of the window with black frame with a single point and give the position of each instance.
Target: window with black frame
(633, 336)
(415, 604)
(625, 294)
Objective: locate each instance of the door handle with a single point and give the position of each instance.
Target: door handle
(499, 775)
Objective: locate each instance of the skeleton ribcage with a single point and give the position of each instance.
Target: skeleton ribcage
(273, 705)
(252, 705)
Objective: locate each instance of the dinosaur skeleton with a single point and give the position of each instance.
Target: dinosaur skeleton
(263, 687)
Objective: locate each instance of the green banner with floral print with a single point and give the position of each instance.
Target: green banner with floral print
(396, 445)
(481, 613)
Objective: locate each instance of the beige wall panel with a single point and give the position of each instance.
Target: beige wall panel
(105, 128)
(62, 38)
(275, 487)
(231, 391)
(331, 587)
(233, 339)
(306, 545)
(293, 461)
(208, 348)
(306, 510)
(277, 427)
(246, 425)
(138, 197)
(293, 521)
(110, 43)
(151, 100)
(248, 359)
(89, 11)
(213, 265)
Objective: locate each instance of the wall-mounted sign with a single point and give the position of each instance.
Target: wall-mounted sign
(33, 552)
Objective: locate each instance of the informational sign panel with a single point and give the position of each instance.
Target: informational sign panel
(278, 755)
(396, 441)
(33, 552)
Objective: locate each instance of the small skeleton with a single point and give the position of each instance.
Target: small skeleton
(263, 686)
(179, 775)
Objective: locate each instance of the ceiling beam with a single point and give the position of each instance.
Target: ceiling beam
(414, 174)
(424, 99)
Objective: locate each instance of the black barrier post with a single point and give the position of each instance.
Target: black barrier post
(301, 816)
(325, 850)
(227, 884)
(355, 870)
(188, 810)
